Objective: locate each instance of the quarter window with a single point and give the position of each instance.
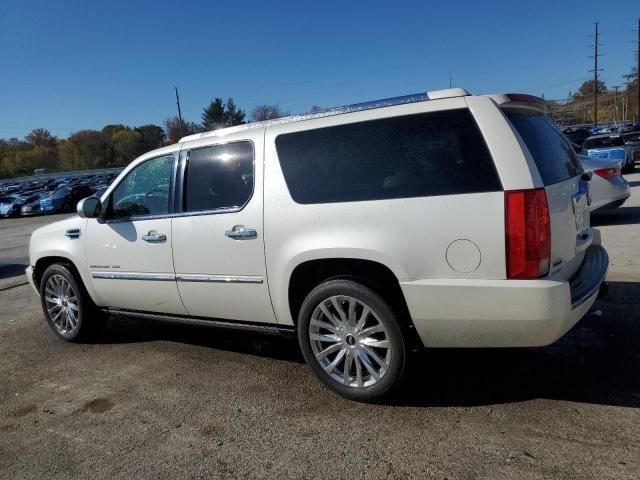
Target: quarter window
(438, 153)
(145, 190)
(219, 177)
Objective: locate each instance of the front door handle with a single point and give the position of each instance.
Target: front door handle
(239, 232)
(154, 237)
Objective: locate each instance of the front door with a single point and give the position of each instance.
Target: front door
(129, 251)
(218, 246)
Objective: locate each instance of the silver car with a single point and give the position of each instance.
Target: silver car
(607, 188)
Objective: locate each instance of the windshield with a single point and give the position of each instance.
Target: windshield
(603, 142)
(632, 137)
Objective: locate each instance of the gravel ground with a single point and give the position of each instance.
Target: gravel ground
(156, 401)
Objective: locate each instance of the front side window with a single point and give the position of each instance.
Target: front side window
(219, 177)
(144, 191)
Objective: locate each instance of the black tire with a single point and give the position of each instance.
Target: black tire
(87, 316)
(352, 387)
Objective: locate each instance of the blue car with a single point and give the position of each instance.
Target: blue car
(610, 147)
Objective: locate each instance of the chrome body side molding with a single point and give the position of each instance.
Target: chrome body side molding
(219, 278)
(187, 277)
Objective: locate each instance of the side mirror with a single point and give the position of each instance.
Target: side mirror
(89, 207)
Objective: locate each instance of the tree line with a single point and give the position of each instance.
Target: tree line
(117, 145)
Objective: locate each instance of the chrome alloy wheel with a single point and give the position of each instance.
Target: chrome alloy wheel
(349, 341)
(62, 304)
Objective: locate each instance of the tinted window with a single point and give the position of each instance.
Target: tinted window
(145, 190)
(552, 153)
(220, 176)
(439, 153)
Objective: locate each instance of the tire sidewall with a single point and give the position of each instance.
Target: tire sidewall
(386, 316)
(62, 270)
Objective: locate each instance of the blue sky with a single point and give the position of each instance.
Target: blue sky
(69, 65)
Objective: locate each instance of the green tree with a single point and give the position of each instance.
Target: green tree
(126, 145)
(587, 88)
(152, 137)
(220, 114)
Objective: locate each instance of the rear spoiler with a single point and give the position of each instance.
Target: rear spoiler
(520, 101)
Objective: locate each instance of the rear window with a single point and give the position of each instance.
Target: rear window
(603, 142)
(438, 153)
(552, 153)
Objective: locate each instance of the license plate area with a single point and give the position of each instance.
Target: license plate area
(581, 211)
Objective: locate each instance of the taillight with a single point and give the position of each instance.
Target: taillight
(607, 173)
(528, 233)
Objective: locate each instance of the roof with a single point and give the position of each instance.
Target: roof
(357, 107)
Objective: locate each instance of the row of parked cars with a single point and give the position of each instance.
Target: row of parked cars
(52, 195)
(607, 152)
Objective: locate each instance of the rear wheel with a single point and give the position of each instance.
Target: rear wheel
(351, 339)
(66, 305)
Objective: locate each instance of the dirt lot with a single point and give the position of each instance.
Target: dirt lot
(156, 401)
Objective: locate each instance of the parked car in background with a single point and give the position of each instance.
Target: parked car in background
(607, 188)
(32, 206)
(64, 199)
(437, 220)
(632, 142)
(577, 135)
(10, 205)
(611, 147)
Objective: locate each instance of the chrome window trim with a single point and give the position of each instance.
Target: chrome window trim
(219, 278)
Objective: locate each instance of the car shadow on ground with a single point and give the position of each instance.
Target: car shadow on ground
(635, 183)
(11, 270)
(617, 216)
(597, 362)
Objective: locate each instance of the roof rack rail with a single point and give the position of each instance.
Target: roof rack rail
(355, 107)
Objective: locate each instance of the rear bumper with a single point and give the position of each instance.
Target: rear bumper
(503, 313)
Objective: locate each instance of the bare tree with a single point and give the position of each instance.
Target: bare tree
(266, 112)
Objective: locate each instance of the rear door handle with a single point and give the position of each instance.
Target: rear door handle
(154, 237)
(239, 232)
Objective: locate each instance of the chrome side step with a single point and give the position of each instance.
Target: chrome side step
(207, 322)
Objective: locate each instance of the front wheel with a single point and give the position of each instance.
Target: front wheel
(351, 339)
(66, 305)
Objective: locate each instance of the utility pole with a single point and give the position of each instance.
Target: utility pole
(595, 77)
(450, 79)
(179, 113)
(638, 74)
(615, 104)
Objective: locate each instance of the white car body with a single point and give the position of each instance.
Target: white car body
(447, 253)
(607, 187)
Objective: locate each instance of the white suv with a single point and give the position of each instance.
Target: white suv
(433, 220)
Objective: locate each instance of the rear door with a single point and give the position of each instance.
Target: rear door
(218, 238)
(567, 193)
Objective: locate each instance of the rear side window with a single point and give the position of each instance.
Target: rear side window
(439, 153)
(552, 153)
(220, 176)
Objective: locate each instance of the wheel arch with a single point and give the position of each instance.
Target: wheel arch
(46, 261)
(374, 275)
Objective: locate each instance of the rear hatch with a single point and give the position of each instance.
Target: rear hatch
(567, 193)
